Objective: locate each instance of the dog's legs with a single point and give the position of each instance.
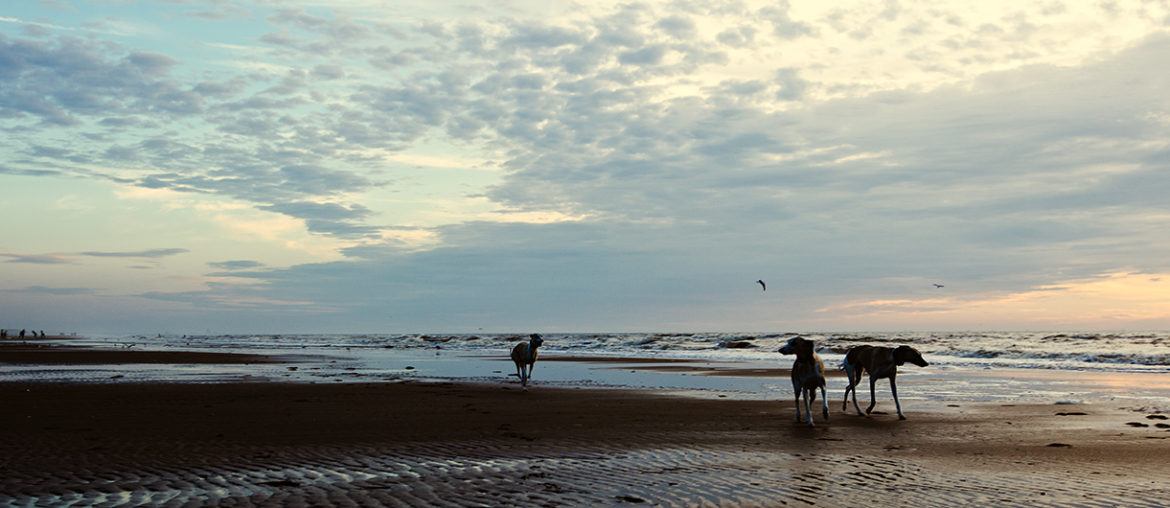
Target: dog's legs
(797, 391)
(894, 390)
(848, 386)
(530, 367)
(824, 403)
(854, 380)
(872, 396)
(807, 409)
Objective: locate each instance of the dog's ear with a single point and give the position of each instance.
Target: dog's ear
(918, 359)
(902, 354)
(807, 346)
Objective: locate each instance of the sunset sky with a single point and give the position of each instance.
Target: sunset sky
(513, 166)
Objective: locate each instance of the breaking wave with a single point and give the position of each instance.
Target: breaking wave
(1019, 349)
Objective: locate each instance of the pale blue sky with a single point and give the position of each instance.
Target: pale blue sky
(366, 166)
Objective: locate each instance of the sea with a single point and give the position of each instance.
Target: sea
(1109, 351)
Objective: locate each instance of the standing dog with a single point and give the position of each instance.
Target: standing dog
(808, 374)
(879, 362)
(524, 356)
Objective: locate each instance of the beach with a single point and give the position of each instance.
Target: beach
(404, 441)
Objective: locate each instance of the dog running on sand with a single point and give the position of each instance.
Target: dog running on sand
(808, 374)
(879, 362)
(524, 356)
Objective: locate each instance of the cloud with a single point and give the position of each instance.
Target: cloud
(30, 172)
(38, 259)
(651, 55)
(235, 265)
(1000, 182)
(5, 19)
(479, 282)
(792, 87)
(68, 81)
(669, 149)
(783, 26)
(737, 37)
(42, 290)
(525, 36)
(150, 253)
(59, 82)
(220, 12)
(318, 35)
(328, 218)
(679, 27)
(277, 157)
(235, 297)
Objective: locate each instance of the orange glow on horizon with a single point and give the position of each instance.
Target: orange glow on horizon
(1116, 298)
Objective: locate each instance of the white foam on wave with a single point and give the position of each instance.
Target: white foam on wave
(1079, 350)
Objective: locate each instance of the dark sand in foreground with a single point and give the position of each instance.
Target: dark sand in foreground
(418, 443)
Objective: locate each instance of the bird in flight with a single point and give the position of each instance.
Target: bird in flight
(762, 285)
(938, 285)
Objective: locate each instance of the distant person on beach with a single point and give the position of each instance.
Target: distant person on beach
(42, 334)
(524, 355)
(3, 334)
(22, 334)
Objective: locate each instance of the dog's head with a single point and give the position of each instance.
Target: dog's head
(534, 340)
(798, 346)
(907, 354)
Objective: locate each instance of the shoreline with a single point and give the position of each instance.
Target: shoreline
(931, 387)
(53, 354)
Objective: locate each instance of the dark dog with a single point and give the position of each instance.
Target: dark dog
(808, 374)
(879, 362)
(524, 356)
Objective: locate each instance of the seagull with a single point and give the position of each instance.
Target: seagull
(762, 285)
(938, 285)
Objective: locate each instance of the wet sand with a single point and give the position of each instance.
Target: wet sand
(411, 443)
(38, 354)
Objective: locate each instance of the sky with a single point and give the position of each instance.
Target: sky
(363, 166)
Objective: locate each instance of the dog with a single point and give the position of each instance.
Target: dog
(808, 374)
(524, 356)
(879, 362)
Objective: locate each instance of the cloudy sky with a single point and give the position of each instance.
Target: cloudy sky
(515, 165)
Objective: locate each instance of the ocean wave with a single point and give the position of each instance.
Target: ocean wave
(1073, 357)
(1042, 350)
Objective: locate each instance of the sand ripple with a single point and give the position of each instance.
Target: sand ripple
(506, 473)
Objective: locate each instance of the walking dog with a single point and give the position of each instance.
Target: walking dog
(879, 362)
(524, 356)
(808, 374)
